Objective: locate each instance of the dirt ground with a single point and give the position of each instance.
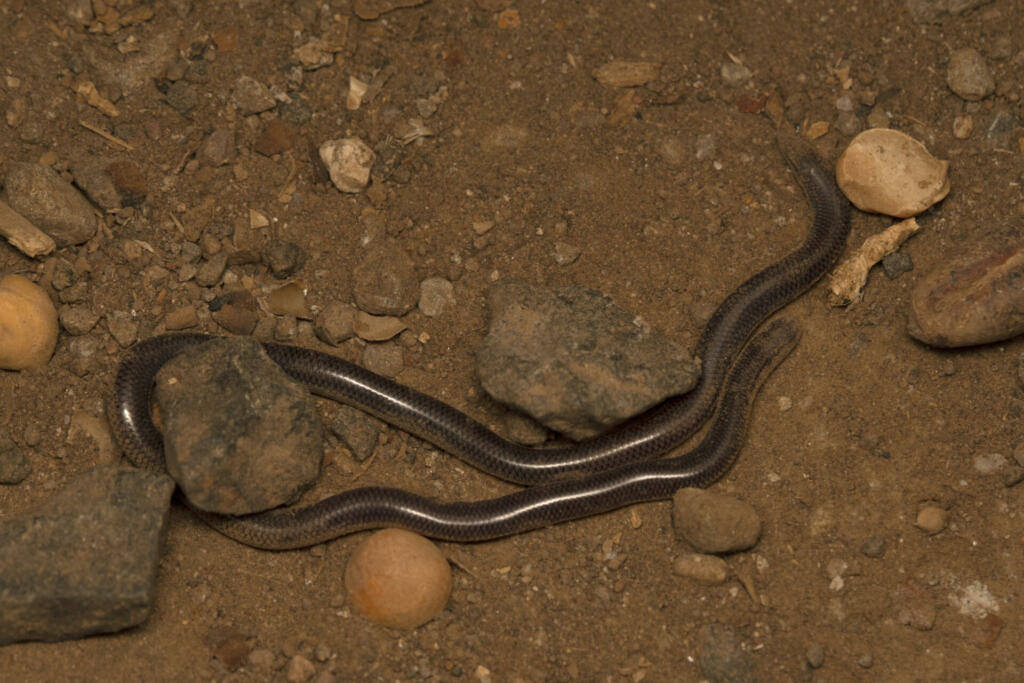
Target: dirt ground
(524, 136)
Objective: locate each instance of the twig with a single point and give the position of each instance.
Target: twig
(107, 136)
(24, 236)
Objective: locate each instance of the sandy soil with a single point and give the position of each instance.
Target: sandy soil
(525, 137)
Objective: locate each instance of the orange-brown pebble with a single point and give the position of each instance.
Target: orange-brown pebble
(28, 324)
(398, 579)
(932, 519)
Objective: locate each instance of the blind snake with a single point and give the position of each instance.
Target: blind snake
(612, 470)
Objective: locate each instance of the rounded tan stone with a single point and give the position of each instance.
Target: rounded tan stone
(28, 324)
(888, 172)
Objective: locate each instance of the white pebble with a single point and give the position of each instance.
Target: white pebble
(348, 162)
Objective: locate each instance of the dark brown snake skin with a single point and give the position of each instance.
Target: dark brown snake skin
(602, 474)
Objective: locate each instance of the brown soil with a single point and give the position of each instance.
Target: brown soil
(526, 137)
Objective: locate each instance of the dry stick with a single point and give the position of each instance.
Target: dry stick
(22, 235)
(107, 136)
(846, 284)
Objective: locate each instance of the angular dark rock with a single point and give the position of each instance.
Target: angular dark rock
(722, 657)
(357, 430)
(85, 561)
(575, 361)
(240, 436)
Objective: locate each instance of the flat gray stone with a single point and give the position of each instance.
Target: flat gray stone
(574, 361)
(85, 561)
(722, 657)
(240, 436)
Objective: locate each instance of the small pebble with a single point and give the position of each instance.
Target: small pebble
(275, 138)
(78, 319)
(873, 547)
(14, 466)
(235, 311)
(865, 661)
(286, 329)
(704, 568)
(968, 75)
(348, 162)
(335, 323)
(673, 151)
(218, 149)
(284, 259)
(621, 73)
(251, 97)
(963, 126)
(210, 272)
(376, 327)
(735, 74)
(398, 579)
(932, 519)
(896, 264)
(714, 523)
(385, 359)
(129, 180)
(261, 658)
(722, 655)
(914, 605)
(182, 97)
(289, 300)
(181, 318)
(705, 146)
(1014, 475)
(989, 463)
(566, 253)
(299, 669)
(815, 655)
(385, 282)
(849, 124)
(122, 327)
(437, 295)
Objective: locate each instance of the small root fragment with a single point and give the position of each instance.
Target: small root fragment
(846, 284)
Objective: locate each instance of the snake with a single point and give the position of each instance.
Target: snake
(621, 467)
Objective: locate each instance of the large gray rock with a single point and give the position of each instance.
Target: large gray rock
(50, 203)
(976, 298)
(573, 360)
(240, 436)
(85, 561)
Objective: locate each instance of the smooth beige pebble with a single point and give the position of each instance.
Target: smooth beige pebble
(28, 324)
(888, 172)
(398, 579)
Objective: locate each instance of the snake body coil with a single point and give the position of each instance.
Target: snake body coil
(619, 465)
